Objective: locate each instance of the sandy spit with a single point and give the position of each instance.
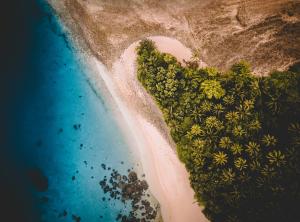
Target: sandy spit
(166, 175)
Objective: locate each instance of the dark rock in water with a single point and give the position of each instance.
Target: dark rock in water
(102, 183)
(132, 176)
(144, 184)
(38, 179)
(119, 216)
(76, 218)
(73, 177)
(63, 214)
(60, 130)
(76, 126)
(85, 162)
(103, 166)
(130, 190)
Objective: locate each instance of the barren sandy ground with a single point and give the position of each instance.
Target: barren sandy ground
(265, 33)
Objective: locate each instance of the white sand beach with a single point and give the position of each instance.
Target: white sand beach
(166, 175)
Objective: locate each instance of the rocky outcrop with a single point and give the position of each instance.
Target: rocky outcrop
(222, 32)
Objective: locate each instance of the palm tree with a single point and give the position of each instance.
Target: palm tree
(211, 71)
(220, 158)
(294, 128)
(228, 175)
(188, 73)
(244, 176)
(199, 143)
(228, 100)
(255, 165)
(213, 122)
(225, 142)
(206, 106)
(236, 149)
(194, 83)
(238, 131)
(189, 135)
(269, 140)
(273, 103)
(241, 68)
(199, 160)
(196, 114)
(276, 157)
(248, 104)
(196, 130)
(240, 163)
(218, 109)
(255, 86)
(260, 181)
(268, 171)
(252, 148)
(232, 116)
(254, 125)
(146, 47)
(243, 113)
(212, 88)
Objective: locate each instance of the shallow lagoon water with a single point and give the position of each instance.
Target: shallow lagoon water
(66, 130)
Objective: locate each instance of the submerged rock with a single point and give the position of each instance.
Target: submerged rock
(63, 214)
(130, 190)
(103, 166)
(76, 218)
(38, 179)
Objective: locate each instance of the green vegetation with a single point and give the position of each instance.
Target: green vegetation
(238, 135)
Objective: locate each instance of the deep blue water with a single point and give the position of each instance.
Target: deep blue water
(64, 129)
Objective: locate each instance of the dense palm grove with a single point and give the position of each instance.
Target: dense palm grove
(238, 135)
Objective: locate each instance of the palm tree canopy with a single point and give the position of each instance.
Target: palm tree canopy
(212, 88)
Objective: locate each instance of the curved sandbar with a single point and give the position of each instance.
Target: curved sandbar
(166, 175)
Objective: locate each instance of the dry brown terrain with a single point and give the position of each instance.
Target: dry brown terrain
(264, 32)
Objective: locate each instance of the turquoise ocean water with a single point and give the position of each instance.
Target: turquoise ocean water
(65, 130)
